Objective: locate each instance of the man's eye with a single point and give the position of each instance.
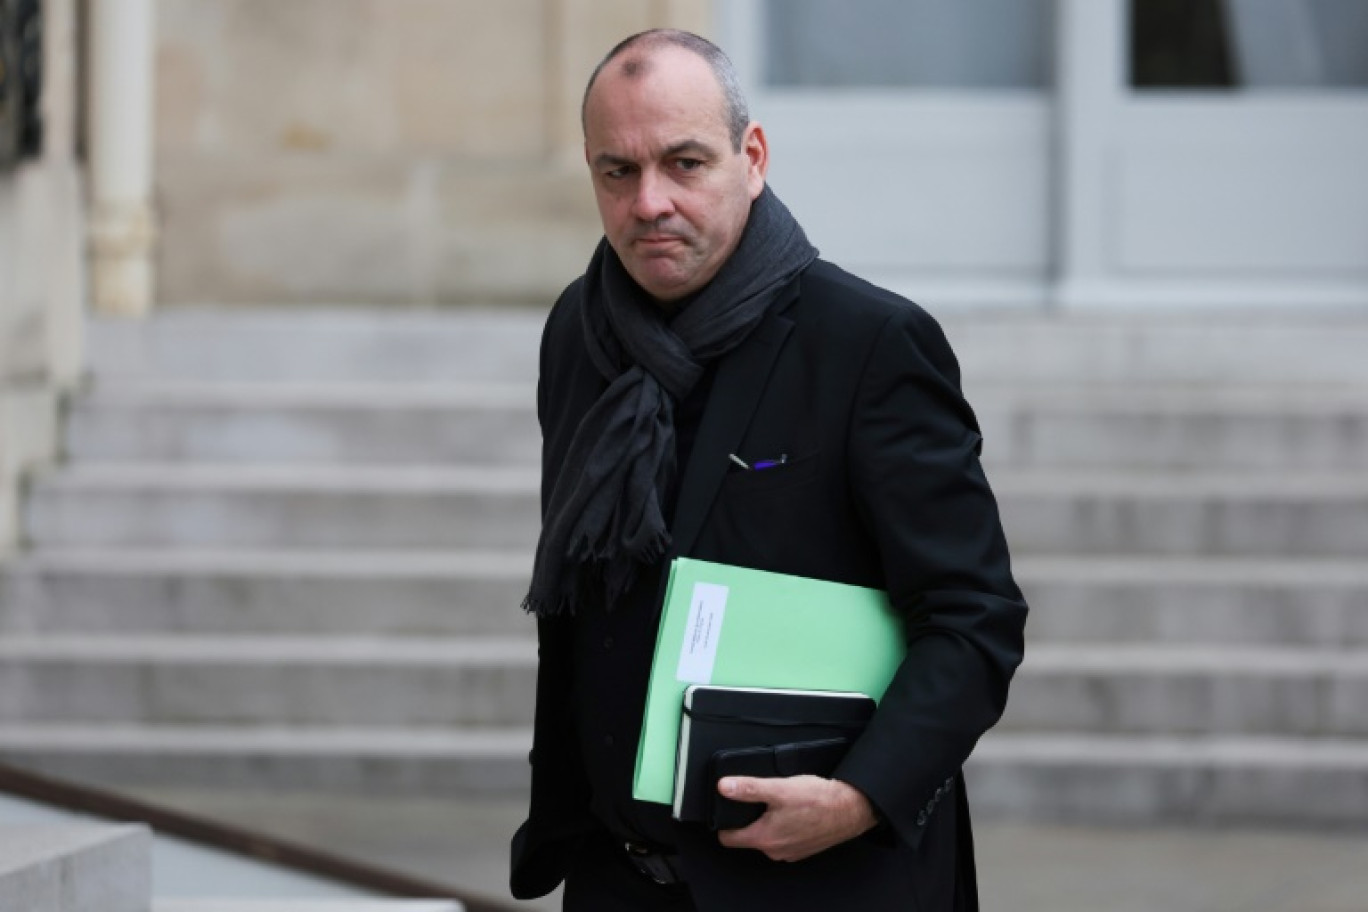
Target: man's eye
(688, 164)
(617, 173)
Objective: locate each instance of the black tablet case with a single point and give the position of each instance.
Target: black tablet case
(718, 718)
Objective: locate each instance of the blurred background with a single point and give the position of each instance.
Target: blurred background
(272, 276)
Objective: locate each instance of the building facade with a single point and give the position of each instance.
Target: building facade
(1036, 155)
(1052, 153)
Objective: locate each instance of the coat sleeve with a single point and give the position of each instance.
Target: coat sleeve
(920, 491)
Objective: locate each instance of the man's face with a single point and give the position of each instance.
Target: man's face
(672, 193)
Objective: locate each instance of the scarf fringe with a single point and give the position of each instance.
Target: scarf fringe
(654, 550)
(538, 607)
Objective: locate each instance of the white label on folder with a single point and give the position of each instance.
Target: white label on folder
(704, 629)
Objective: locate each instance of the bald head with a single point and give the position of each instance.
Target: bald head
(633, 58)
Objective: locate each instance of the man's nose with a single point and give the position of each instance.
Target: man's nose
(652, 198)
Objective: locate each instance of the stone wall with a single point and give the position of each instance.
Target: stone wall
(379, 151)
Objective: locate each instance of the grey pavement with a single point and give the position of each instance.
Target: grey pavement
(1023, 867)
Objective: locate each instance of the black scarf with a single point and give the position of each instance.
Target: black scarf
(604, 521)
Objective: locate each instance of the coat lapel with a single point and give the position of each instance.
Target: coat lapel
(740, 380)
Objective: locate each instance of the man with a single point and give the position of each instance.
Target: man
(705, 334)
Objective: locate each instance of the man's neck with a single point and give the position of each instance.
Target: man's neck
(672, 309)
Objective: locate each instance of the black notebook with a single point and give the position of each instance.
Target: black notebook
(805, 722)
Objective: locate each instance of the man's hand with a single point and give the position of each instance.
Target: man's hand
(806, 815)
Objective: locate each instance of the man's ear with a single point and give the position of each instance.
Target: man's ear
(756, 149)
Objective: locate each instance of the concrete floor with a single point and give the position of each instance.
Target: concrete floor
(1022, 867)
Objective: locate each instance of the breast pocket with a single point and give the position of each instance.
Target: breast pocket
(761, 517)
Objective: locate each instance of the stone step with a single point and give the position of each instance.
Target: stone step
(1195, 347)
(1272, 514)
(1185, 514)
(411, 761)
(268, 680)
(1120, 688)
(75, 868)
(404, 424)
(1088, 778)
(1170, 689)
(384, 424)
(1253, 427)
(461, 593)
(1243, 600)
(305, 905)
(1227, 780)
(296, 507)
(318, 345)
(412, 344)
(451, 593)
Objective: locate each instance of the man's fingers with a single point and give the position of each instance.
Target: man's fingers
(737, 839)
(799, 819)
(759, 836)
(747, 788)
(755, 835)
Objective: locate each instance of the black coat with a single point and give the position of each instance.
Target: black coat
(882, 488)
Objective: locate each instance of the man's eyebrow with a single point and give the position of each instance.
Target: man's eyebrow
(605, 159)
(691, 145)
(695, 146)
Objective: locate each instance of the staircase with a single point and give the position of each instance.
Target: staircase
(285, 550)
(1187, 502)
(288, 549)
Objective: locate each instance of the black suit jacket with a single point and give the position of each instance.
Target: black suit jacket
(882, 488)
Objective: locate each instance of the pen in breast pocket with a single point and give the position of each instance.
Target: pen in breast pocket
(762, 464)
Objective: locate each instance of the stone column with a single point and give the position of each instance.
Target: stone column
(123, 224)
(1090, 86)
(64, 282)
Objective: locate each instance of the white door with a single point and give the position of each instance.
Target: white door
(1084, 153)
(1239, 171)
(911, 137)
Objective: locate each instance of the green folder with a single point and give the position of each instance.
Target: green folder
(738, 627)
